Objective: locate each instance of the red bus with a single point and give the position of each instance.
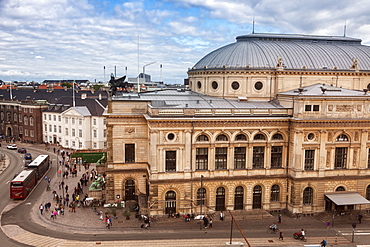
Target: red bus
(40, 164)
(23, 184)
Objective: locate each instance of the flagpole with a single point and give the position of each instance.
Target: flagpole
(73, 90)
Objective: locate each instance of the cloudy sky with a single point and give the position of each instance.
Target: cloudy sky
(75, 39)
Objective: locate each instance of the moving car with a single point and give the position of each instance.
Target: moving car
(12, 146)
(28, 156)
(22, 150)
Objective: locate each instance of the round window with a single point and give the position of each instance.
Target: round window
(199, 85)
(235, 85)
(214, 85)
(310, 136)
(258, 85)
(171, 136)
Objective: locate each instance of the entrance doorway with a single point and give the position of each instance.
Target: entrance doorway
(130, 190)
(257, 197)
(170, 207)
(220, 199)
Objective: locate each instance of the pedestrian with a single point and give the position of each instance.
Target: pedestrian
(210, 223)
(303, 234)
(281, 236)
(205, 221)
(41, 208)
(52, 215)
(66, 188)
(279, 218)
(323, 243)
(359, 217)
(222, 216)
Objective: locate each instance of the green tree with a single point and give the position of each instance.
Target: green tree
(66, 84)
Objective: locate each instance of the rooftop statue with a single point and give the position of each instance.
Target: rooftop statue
(116, 83)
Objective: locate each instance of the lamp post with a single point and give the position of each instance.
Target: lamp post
(144, 68)
(201, 199)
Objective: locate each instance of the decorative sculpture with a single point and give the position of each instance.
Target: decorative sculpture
(97, 184)
(117, 83)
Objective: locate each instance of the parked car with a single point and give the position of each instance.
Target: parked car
(22, 150)
(12, 146)
(28, 156)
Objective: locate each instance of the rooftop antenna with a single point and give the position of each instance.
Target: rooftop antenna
(160, 70)
(345, 29)
(253, 25)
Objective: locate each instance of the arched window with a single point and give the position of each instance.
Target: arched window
(259, 137)
(307, 196)
(277, 137)
(340, 188)
(368, 192)
(31, 121)
(170, 198)
(220, 199)
(202, 138)
(240, 137)
(239, 198)
(275, 193)
(257, 197)
(25, 120)
(201, 196)
(342, 138)
(222, 137)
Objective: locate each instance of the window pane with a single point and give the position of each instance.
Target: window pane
(340, 158)
(275, 193)
(129, 153)
(239, 157)
(309, 159)
(201, 159)
(170, 160)
(258, 157)
(221, 158)
(276, 156)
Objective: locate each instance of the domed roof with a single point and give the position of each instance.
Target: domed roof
(263, 51)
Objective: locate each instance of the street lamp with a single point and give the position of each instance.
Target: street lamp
(144, 69)
(201, 199)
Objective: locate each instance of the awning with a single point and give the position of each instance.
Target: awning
(347, 198)
(89, 157)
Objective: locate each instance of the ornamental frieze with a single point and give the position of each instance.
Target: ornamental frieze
(217, 124)
(344, 108)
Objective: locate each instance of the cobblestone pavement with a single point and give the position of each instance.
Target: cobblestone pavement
(86, 221)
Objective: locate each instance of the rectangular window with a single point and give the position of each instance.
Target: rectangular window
(49, 117)
(67, 143)
(276, 156)
(80, 145)
(31, 133)
(316, 107)
(46, 127)
(55, 117)
(80, 121)
(26, 132)
(66, 131)
(73, 143)
(20, 129)
(340, 161)
(258, 157)
(60, 129)
(50, 128)
(73, 120)
(201, 159)
(95, 145)
(31, 110)
(24, 110)
(73, 132)
(221, 158)
(20, 118)
(55, 128)
(307, 107)
(129, 153)
(170, 161)
(309, 159)
(94, 133)
(94, 121)
(59, 118)
(60, 139)
(66, 120)
(105, 133)
(79, 133)
(239, 157)
(104, 121)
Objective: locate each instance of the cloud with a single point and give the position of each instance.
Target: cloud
(61, 39)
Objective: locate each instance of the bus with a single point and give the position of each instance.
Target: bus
(23, 184)
(40, 164)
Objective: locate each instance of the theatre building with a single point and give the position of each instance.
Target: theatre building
(270, 122)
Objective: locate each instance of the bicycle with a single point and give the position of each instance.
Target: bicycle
(273, 230)
(297, 216)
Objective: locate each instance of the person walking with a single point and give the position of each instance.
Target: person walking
(303, 234)
(222, 216)
(281, 235)
(279, 218)
(210, 223)
(41, 208)
(359, 217)
(323, 243)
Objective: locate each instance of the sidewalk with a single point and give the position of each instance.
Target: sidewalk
(86, 221)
